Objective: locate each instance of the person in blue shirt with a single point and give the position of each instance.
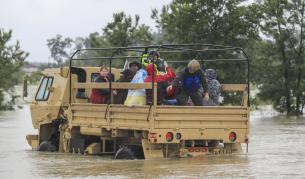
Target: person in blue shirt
(192, 84)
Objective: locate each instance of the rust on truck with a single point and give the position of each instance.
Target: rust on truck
(68, 122)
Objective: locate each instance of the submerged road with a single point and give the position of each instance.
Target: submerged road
(276, 150)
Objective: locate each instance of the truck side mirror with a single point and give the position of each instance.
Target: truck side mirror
(25, 86)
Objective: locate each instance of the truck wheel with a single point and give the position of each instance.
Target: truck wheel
(130, 153)
(124, 153)
(47, 146)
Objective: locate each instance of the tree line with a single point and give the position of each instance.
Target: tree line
(270, 31)
(12, 58)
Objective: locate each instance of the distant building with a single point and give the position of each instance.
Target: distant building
(29, 68)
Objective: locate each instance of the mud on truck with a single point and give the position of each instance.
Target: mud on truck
(68, 122)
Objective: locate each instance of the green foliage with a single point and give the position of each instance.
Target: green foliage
(59, 48)
(212, 22)
(124, 31)
(11, 60)
(280, 60)
(215, 22)
(277, 60)
(270, 31)
(35, 77)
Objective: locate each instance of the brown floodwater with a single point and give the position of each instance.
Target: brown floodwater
(276, 150)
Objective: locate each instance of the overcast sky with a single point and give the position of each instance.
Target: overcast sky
(35, 21)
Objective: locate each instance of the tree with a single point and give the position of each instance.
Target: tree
(122, 31)
(95, 40)
(125, 31)
(283, 24)
(11, 60)
(60, 48)
(216, 22)
(210, 22)
(226, 22)
(296, 38)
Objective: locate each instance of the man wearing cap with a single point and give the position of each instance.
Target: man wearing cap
(135, 66)
(159, 62)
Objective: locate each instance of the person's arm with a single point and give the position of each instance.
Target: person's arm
(178, 79)
(204, 85)
(170, 75)
(126, 65)
(104, 91)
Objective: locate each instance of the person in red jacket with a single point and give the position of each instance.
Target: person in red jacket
(101, 96)
(161, 80)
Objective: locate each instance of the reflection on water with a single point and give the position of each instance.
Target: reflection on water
(276, 150)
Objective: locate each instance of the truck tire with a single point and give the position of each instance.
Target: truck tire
(129, 153)
(124, 153)
(47, 146)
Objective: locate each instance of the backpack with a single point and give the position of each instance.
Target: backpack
(191, 83)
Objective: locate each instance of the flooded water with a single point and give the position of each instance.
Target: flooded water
(276, 150)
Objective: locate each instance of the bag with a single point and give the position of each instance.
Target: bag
(137, 97)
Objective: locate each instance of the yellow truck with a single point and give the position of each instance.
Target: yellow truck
(68, 122)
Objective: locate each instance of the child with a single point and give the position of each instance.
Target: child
(101, 96)
(213, 88)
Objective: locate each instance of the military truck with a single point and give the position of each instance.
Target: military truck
(68, 122)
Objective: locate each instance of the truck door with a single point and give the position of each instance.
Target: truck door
(43, 109)
(44, 89)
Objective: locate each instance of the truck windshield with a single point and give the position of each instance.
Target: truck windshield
(43, 91)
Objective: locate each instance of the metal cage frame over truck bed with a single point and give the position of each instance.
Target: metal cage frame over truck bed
(189, 122)
(158, 48)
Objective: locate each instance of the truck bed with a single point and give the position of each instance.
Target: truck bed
(211, 122)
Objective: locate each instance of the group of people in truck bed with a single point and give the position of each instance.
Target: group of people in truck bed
(192, 85)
